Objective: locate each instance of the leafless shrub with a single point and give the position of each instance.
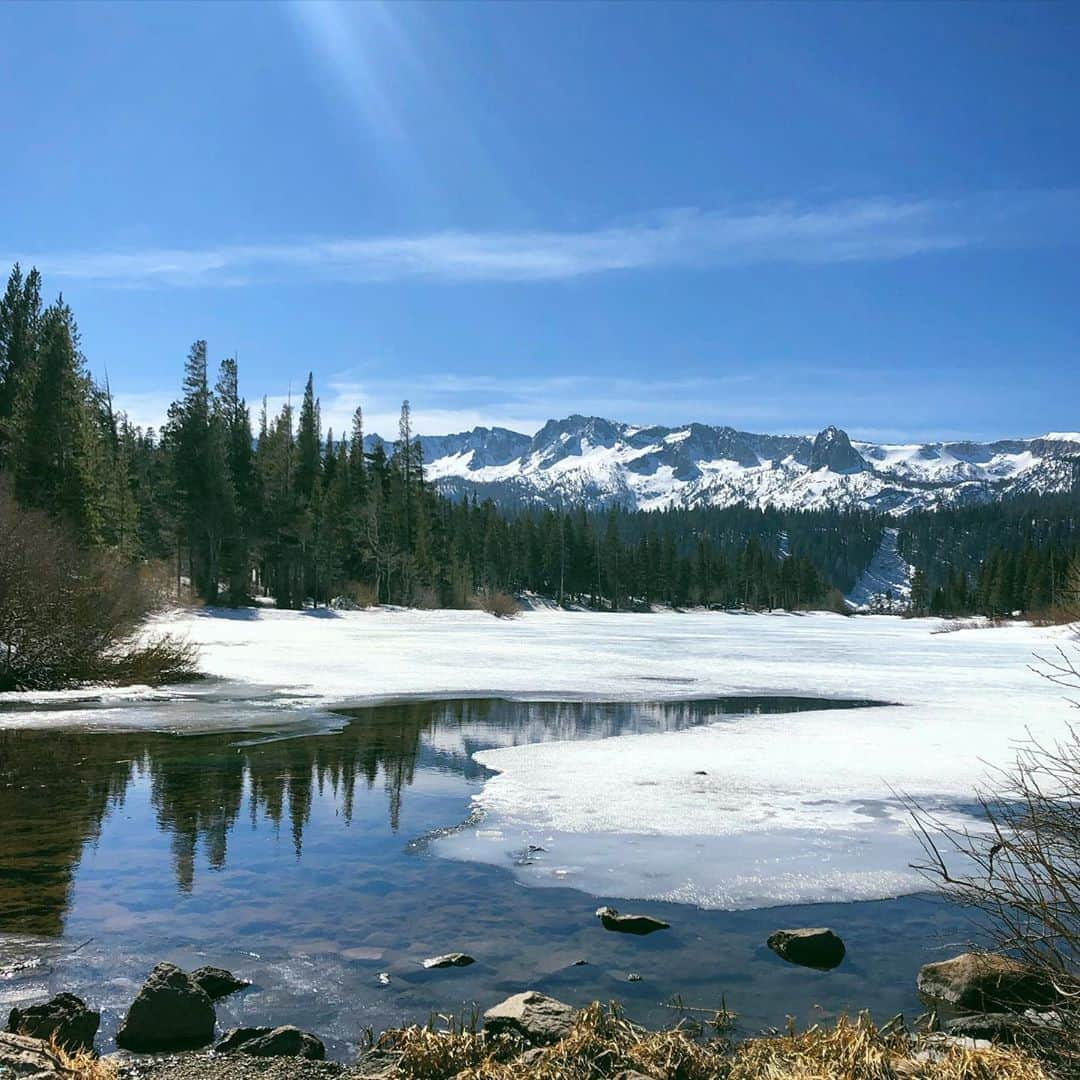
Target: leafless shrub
(163, 659)
(1021, 868)
(836, 602)
(500, 604)
(68, 615)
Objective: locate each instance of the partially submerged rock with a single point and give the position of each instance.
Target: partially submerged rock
(217, 982)
(454, 959)
(985, 982)
(537, 1018)
(999, 1027)
(27, 1058)
(284, 1041)
(610, 919)
(65, 1019)
(816, 947)
(171, 1012)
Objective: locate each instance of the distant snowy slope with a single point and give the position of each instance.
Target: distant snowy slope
(587, 459)
(886, 581)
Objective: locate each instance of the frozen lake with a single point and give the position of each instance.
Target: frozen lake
(721, 770)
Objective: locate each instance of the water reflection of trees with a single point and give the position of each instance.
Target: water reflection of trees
(56, 787)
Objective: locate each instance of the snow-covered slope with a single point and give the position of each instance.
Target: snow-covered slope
(885, 585)
(601, 462)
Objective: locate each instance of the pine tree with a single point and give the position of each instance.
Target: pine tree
(54, 428)
(20, 319)
(196, 431)
(308, 444)
(920, 593)
(231, 413)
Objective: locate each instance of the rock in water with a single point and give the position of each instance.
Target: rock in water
(816, 947)
(217, 982)
(171, 1012)
(610, 919)
(453, 959)
(1006, 1027)
(537, 1018)
(27, 1058)
(284, 1041)
(985, 982)
(65, 1019)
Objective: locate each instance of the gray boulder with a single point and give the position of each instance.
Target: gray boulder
(985, 982)
(65, 1018)
(217, 982)
(27, 1058)
(816, 947)
(454, 959)
(284, 1041)
(535, 1017)
(610, 919)
(378, 1064)
(999, 1027)
(171, 1012)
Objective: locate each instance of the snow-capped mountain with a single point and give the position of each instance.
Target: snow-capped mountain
(601, 462)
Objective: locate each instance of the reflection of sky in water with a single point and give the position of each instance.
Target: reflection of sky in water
(289, 860)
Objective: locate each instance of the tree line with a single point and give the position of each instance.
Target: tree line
(288, 511)
(232, 511)
(993, 559)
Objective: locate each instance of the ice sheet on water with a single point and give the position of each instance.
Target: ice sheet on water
(629, 812)
(775, 809)
(732, 872)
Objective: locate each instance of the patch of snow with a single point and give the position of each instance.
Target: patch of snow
(451, 465)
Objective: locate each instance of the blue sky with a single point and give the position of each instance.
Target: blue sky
(772, 216)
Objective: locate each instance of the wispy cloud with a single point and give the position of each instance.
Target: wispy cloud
(863, 230)
(443, 402)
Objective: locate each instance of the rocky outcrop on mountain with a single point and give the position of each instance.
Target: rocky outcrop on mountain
(832, 450)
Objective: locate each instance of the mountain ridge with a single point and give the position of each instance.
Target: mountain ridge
(598, 462)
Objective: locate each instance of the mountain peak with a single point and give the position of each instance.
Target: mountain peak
(832, 450)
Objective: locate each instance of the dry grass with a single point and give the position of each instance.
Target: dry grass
(858, 1050)
(604, 1044)
(83, 1065)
